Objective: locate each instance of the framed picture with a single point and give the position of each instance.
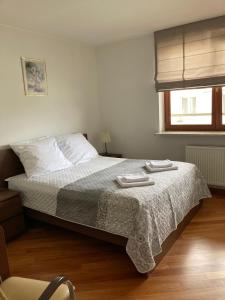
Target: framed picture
(34, 77)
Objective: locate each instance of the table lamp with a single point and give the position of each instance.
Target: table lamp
(105, 139)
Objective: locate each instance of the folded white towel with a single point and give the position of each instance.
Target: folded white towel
(134, 177)
(150, 169)
(160, 163)
(133, 184)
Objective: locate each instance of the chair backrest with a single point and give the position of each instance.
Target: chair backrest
(4, 265)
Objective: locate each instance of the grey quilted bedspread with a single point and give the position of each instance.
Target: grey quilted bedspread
(152, 212)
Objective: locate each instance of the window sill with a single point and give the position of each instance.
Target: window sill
(199, 133)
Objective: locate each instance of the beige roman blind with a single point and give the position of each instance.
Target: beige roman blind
(191, 55)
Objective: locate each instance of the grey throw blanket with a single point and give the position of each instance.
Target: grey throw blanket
(79, 201)
(145, 215)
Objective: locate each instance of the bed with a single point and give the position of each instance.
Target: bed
(85, 198)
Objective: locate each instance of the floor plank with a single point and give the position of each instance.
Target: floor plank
(194, 268)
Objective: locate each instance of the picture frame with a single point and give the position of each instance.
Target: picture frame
(34, 77)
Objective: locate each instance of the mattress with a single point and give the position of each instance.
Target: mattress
(87, 194)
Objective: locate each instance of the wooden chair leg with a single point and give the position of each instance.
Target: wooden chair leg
(4, 265)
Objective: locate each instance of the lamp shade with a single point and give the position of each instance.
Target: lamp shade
(105, 137)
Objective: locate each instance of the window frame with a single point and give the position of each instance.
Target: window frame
(216, 114)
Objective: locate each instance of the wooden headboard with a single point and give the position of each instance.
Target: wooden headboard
(10, 164)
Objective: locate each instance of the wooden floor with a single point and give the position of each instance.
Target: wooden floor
(193, 269)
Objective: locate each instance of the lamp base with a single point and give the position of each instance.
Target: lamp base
(106, 151)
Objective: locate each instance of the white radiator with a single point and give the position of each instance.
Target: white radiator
(211, 162)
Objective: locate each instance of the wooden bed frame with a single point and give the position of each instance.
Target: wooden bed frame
(10, 165)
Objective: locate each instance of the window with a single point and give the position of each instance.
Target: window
(195, 109)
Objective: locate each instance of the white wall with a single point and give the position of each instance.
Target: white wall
(72, 103)
(129, 104)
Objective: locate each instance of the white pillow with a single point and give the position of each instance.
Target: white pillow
(76, 148)
(41, 156)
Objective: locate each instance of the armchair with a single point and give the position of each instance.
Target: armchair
(17, 288)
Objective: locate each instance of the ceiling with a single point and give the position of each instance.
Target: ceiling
(103, 21)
